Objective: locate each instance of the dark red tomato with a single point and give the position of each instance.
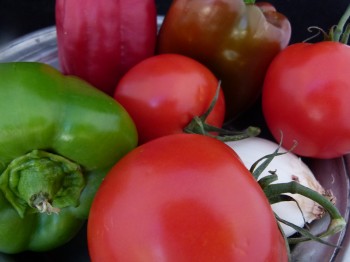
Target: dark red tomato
(306, 95)
(163, 94)
(234, 39)
(183, 197)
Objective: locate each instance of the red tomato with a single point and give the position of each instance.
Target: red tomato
(182, 197)
(306, 95)
(163, 94)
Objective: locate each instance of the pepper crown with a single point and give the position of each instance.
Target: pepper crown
(43, 182)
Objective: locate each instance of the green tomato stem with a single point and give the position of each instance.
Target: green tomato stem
(261, 164)
(198, 125)
(337, 222)
(339, 29)
(296, 188)
(307, 235)
(345, 36)
(277, 193)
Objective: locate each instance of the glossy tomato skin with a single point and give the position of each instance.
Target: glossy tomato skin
(182, 197)
(306, 95)
(163, 94)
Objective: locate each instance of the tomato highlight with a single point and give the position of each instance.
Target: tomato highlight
(182, 197)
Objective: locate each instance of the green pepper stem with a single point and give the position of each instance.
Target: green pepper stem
(42, 204)
(43, 181)
(249, 2)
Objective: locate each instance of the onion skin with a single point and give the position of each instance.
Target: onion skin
(288, 167)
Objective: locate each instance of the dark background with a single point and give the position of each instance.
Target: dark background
(19, 17)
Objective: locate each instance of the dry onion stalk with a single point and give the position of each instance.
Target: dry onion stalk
(288, 168)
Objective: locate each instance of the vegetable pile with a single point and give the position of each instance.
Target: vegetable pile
(138, 136)
(59, 137)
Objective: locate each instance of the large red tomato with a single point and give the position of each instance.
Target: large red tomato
(306, 95)
(182, 197)
(163, 94)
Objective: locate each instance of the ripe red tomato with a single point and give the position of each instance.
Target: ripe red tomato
(306, 95)
(182, 197)
(163, 94)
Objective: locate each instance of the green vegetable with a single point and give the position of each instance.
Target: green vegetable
(58, 138)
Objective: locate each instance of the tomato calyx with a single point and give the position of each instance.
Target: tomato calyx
(338, 33)
(341, 31)
(198, 125)
(276, 193)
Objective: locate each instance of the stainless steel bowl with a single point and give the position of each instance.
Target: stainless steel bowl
(333, 174)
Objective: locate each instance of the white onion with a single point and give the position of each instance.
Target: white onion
(288, 168)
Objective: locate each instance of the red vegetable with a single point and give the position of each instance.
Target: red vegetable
(182, 198)
(236, 41)
(306, 96)
(100, 40)
(165, 92)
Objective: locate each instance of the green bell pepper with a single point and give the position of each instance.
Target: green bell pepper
(59, 136)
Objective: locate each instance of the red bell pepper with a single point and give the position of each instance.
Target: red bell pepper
(100, 40)
(235, 39)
